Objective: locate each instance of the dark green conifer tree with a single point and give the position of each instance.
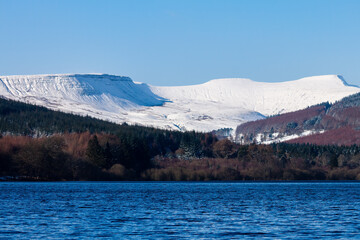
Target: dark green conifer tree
(95, 153)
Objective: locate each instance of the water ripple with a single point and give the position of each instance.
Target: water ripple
(161, 210)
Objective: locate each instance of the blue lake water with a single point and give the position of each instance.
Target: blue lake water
(179, 210)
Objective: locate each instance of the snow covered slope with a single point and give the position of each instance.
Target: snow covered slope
(265, 98)
(99, 95)
(222, 103)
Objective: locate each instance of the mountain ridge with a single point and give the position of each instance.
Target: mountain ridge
(216, 104)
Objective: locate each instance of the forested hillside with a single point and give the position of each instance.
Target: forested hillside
(17, 118)
(337, 123)
(40, 144)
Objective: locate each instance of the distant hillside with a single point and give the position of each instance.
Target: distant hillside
(337, 123)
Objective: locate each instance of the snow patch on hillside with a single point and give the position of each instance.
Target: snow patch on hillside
(290, 137)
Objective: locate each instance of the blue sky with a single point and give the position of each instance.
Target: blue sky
(182, 42)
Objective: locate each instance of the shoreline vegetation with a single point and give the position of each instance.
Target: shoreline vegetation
(105, 157)
(44, 145)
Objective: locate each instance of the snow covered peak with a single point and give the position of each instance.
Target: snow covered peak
(333, 80)
(219, 103)
(263, 97)
(71, 91)
(99, 76)
(322, 81)
(226, 81)
(344, 81)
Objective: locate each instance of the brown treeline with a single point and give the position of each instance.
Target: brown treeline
(86, 156)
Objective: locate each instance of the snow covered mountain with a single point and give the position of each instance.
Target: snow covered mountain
(221, 103)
